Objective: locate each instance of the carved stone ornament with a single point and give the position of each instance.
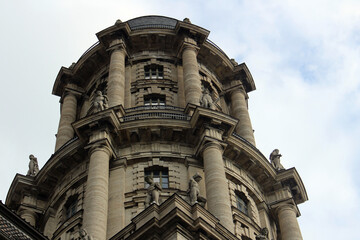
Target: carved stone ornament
(264, 232)
(206, 100)
(153, 191)
(100, 102)
(33, 166)
(194, 191)
(84, 235)
(275, 160)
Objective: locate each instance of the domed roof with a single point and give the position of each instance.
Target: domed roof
(152, 22)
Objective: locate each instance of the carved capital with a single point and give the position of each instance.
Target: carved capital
(188, 44)
(287, 207)
(117, 44)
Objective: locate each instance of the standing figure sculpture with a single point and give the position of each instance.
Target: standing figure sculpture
(264, 232)
(206, 100)
(275, 160)
(153, 191)
(194, 190)
(33, 166)
(84, 235)
(100, 102)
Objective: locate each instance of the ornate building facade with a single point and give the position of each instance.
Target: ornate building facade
(155, 142)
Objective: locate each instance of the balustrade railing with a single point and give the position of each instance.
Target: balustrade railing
(155, 115)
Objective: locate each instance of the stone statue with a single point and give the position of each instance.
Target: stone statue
(84, 235)
(206, 100)
(264, 232)
(100, 102)
(33, 166)
(275, 160)
(194, 190)
(153, 191)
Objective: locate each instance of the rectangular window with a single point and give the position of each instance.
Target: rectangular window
(241, 203)
(154, 100)
(154, 72)
(160, 176)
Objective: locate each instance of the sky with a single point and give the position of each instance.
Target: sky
(304, 57)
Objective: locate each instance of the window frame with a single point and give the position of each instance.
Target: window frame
(154, 71)
(154, 100)
(242, 203)
(163, 174)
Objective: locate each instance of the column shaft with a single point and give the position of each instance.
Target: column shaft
(67, 117)
(289, 226)
(96, 195)
(116, 82)
(192, 83)
(217, 190)
(240, 111)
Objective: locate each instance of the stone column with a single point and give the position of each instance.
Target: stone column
(116, 82)
(192, 83)
(240, 111)
(29, 216)
(96, 195)
(67, 117)
(217, 190)
(289, 226)
(116, 211)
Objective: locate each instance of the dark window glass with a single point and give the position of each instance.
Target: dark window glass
(154, 100)
(242, 203)
(154, 72)
(160, 176)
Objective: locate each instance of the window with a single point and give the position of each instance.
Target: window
(159, 175)
(242, 203)
(71, 206)
(154, 72)
(154, 100)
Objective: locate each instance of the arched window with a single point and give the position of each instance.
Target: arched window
(242, 202)
(159, 175)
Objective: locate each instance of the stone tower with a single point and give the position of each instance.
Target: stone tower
(155, 142)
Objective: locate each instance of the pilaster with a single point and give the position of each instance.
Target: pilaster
(116, 211)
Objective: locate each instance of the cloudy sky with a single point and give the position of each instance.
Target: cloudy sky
(304, 57)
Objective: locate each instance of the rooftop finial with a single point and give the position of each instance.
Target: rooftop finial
(118, 22)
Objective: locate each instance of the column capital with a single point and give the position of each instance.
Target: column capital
(117, 44)
(213, 144)
(101, 145)
(209, 142)
(188, 43)
(287, 206)
(237, 88)
(73, 91)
